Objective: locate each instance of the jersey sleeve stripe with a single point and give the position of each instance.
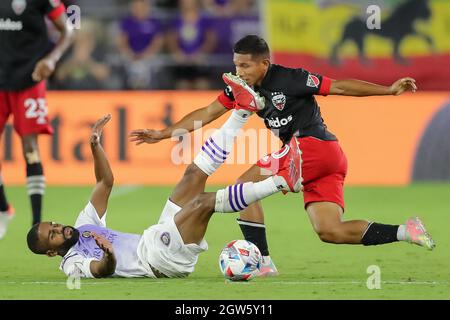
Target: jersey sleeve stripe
(57, 12)
(325, 86)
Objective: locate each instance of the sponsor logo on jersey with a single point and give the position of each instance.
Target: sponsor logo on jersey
(9, 25)
(278, 100)
(313, 81)
(165, 238)
(19, 6)
(278, 123)
(86, 234)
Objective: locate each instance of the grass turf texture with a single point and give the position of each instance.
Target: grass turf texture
(309, 269)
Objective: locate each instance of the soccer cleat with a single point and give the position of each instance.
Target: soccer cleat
(5, 218)
(244, 96)
(292, 173)
(417, 234)
(268, 268)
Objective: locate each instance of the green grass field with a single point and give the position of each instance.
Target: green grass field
(309, 269)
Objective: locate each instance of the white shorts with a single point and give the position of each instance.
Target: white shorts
(163, 248)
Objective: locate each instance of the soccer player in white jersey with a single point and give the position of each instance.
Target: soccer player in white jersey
(171, 247)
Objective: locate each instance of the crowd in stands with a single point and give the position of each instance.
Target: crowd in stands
(154, 45)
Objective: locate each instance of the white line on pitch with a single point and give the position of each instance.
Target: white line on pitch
(86, 282)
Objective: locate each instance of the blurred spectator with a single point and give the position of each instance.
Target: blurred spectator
(243, 19)
(166, 4)
(81, 69)
(191, 40)
(139, 42)
(220, 8)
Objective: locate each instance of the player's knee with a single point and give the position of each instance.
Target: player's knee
(29, 144)
(197, 203)
(30, 150)
(203, 203)
(329, 234)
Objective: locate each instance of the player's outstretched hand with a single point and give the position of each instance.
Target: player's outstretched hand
(43, 69)
(402, 85)
(98, 128)
(146, 136)
(103, 244)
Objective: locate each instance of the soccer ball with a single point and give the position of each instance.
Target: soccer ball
(240, 260)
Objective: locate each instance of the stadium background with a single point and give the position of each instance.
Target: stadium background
(398, 147)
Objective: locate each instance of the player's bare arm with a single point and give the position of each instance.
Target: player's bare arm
(107, 265)
(103, 172)
(360, 88)
(46, 66)
(192, 121)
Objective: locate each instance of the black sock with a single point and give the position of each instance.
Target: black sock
(378, 233)
(36, 207)
(3, 202)
(36, 188)
(255, 233)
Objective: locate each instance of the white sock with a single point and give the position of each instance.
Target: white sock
(216, 149)
(401, 233)
(239, 196)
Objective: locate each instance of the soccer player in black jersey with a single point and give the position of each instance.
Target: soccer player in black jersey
(25, 63)
(290, 109)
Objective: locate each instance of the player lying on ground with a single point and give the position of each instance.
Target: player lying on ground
(167, 249)
(291, 110)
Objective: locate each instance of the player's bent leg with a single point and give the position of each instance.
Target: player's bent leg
(254, 212)
(193, 219)
(191, 184)
(251, 223)
(326, 219)
(218, 146)
(212, 155)
(35, 175)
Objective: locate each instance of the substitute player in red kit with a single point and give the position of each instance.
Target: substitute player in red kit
(290, 110)
(25, 64)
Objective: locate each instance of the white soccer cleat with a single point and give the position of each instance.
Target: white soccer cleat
(268, 268)
(417, 234)
(5, 218)
(244, 96)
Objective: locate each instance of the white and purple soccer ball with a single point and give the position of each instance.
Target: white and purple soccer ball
(240, 260)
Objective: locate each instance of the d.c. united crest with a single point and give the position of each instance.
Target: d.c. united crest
(278, 100)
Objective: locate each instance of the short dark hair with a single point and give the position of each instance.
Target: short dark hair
(33, 240)
(252, 44)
